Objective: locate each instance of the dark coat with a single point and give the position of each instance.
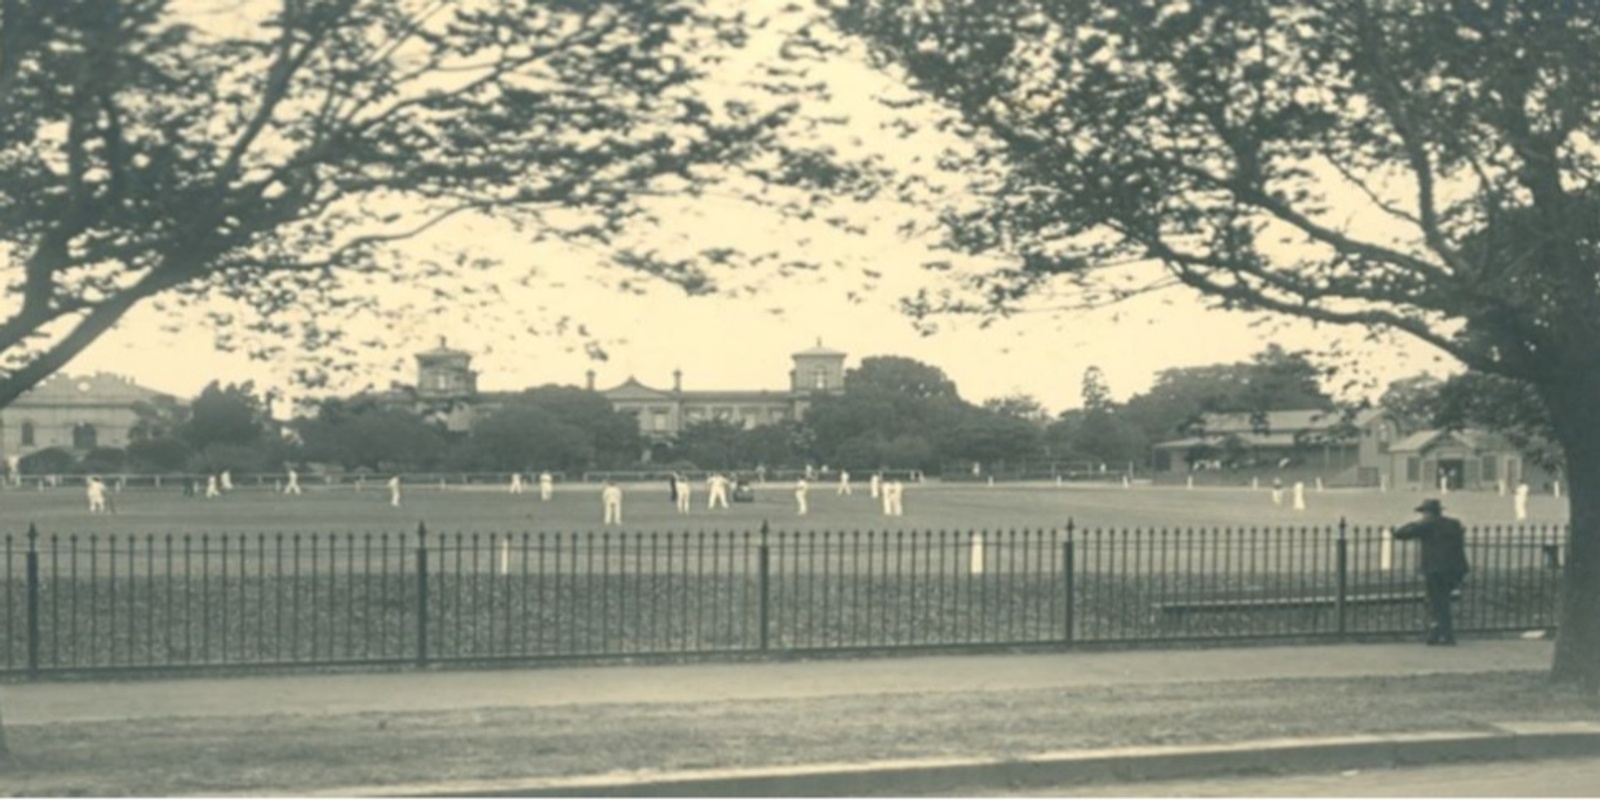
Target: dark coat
(1444, 545)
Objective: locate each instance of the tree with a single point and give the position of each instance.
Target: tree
(897, 375)
(1018, 406)
(271, 159)
(1413, 401)
(228, 415)
(1424, 168)
(363, 436)
(526, 436)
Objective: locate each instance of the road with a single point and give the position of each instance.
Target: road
(1550, 778)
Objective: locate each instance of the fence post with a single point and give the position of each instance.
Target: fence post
(32, 563)
(1067, 580)
(762, 563)
(1342, 565)
(422, 595)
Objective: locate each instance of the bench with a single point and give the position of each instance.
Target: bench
(1279, 602)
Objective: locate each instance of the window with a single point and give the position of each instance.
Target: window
(1413, 469)
(658, 420)
(1490, 469)
(1383, 438)
(84, 436)
(27, 434)
(819, 378)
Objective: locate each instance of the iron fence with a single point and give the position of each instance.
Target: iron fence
(76, 603)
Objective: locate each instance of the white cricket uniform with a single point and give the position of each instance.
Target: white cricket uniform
(611, 499)
(685, 492)
(844, 482)
(546, 485)
(394, 491)
(717, 491)
(800, 489)
(97, 496)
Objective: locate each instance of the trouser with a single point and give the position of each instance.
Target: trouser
(1440, 585)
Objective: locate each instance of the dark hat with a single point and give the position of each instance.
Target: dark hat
(1431, 505)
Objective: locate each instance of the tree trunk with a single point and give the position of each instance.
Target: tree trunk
(1574, 408)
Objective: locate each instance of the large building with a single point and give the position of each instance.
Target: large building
(446, 392)
(74, 413)
(662, 413)
(1342, 450)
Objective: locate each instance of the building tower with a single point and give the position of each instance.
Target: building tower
(445, 374)
(818, 369)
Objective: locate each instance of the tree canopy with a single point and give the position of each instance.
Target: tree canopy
(1427, 168)
(266, 160)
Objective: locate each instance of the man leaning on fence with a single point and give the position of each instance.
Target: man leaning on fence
(1443, 564)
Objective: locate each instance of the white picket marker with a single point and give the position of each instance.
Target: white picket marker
(505, 555)
(1555, 486)
(1386, 551)
(976, 558)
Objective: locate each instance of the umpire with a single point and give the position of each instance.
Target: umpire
(1443, 566)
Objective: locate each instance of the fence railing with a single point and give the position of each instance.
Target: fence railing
(72, 603)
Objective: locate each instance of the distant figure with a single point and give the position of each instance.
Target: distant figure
(394, 491)
(611, 499)
(1519, 502)
(96, 492)
(672, 487)
(875, 483)
(716, 491)
(894, 494)
(1444, 482)
(683, 493)
(293, 485)
(800, 489)
(516, 483)
(811, 472)
(1127, 483)
(227, 481)
(211, 487)
(546, 485)
(1443, 564)
(1277, 491)
(1299, 495)
(844, 482)
(1319, 483)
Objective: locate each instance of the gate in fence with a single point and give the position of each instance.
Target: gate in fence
(145, 601)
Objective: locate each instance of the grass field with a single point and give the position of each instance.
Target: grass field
(646, 507)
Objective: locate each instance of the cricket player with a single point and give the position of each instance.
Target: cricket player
(516, 483)
(211, 487)
(611, 499)
(800, 489)
(897, 496)
(684, 491)
(717, 491)
(394, 491)
(844, 482)
(96, 492)
(1299, 495)
(546, 485)
(875, 484)
(292, 486)
(1519, 502)
(227, 481)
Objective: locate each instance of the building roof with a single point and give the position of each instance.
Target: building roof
(99, 389)
(1285, 421)
(443, 351)
(819, 350)
(1471, 438)
(632, 389)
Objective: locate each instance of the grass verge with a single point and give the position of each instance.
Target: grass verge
(297, 754)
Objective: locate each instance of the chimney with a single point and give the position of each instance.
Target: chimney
(794, 379)
(677, 380)
(590, 375)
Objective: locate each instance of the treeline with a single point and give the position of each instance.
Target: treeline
(894, 412)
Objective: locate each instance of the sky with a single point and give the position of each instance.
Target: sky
(558, 307)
